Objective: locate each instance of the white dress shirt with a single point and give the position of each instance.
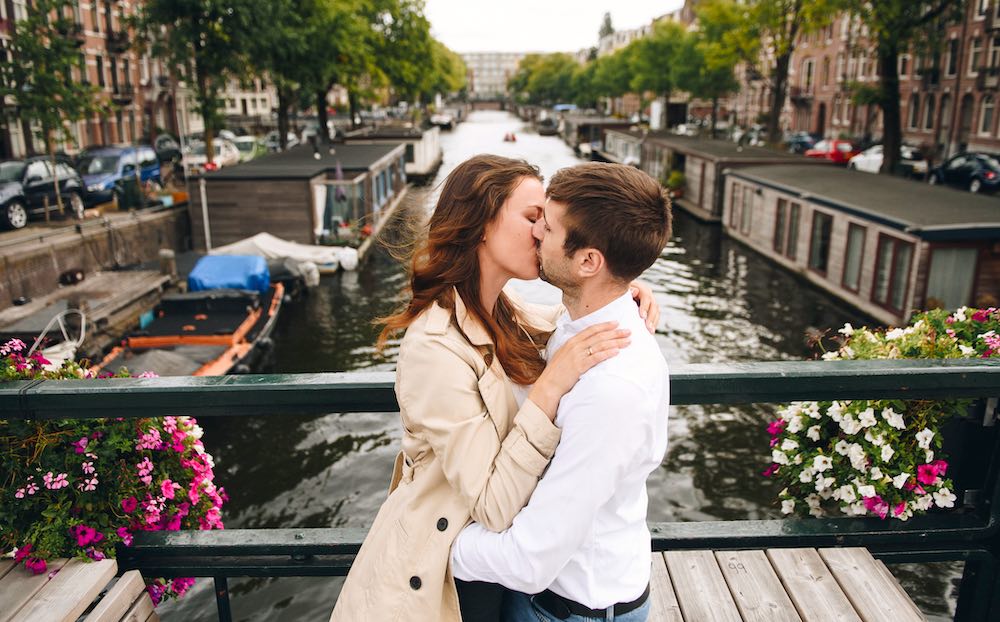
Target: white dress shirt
(583, 534)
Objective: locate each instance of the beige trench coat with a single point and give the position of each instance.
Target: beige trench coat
(468, 453)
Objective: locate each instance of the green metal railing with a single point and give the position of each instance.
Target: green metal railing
(970, 533)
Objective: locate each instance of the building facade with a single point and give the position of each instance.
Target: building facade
(488, 72)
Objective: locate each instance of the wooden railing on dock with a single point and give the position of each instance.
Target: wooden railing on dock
(970, 533)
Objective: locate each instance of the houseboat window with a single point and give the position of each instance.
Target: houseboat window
(409, 152)
(747, 210)
(733, 211)
(892, 271)
(792, 244)
(819, 248)
(951, 277)
(780, 222)
(402, 168)
(852, 256)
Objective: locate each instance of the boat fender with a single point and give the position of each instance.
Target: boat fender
(71, 277)
(241, 369)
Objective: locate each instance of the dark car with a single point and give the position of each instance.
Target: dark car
(28, 185)
(168, 150)
(800, 142)
(105, 170)
(974, 171)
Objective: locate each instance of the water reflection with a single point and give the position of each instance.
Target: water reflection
(720, 302)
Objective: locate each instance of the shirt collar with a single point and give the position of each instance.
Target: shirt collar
(612, 311)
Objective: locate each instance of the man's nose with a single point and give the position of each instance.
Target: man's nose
(538, 230)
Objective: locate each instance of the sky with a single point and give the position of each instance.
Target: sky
(534, 25)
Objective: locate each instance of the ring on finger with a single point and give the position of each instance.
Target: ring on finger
(590, 351)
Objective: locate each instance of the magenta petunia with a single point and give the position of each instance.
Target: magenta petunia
(129, 504)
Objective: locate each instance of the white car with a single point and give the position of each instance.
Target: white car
(870, 160)
(196, 160)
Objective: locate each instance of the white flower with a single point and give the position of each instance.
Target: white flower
(887, 452)
(830, 356)
(895, 333)
(806, 475)
(849, 425)
(789, 445)
(894, 418)
(822, 463)
(847, 351)
(866, 491)
(856, 454)
(867, 418)
(813, 433)
(859, 509)
(876, 474)
(847, 330)
(795, 425)
(798, 459)
(928, 455)
(813, 410)
(874, 440)
(924, 438)
(960, 314)
(779, 457)
(817, 512)
(841, 447)
(900, 480)
(812, 501)
(787, 506)
(835, 410)
(944, 498)
(824, 483)
(923, 503)
(846, 493)
(966, 350)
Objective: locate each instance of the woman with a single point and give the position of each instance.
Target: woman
(469, 450)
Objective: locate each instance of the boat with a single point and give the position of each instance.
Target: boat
(548, 127)
(222, 327)
(328, 259)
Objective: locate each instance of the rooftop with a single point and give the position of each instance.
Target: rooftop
(385, 131)
(300, 163)
(931, 212)
(723, 150)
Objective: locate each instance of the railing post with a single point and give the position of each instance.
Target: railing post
(222, 599)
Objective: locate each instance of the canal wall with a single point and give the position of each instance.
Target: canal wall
(31, 262)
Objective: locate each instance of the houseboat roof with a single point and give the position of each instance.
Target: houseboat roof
(300, 162)
(386, 132)
(930, 212)
(723, 150)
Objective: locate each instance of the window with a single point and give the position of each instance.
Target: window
(904, 65)
(853, 255)
(780, 223)
(792, 241)
(840, 67)
(826, 71)
(733, 211)
(951, 58)
(128, 73)
(39, 169)
(94, 19)
(984, 6)
(100, 71)
(747, 211)
(975, 54)
(995, 49)
(986, 115)
(952, 273)
(892, 272)
(929, 112)
(807, 71)
(914, 111)
(819, 245)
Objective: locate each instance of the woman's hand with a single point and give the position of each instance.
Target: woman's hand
(584, 350)
(648, 309)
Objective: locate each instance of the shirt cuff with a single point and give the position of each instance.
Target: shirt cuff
(538, 438)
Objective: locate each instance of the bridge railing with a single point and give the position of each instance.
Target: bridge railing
(969, 533)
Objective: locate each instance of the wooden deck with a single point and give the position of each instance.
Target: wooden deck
(777, 585)
(77, 588)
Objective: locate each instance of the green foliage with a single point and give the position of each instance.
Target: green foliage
(546, 79)
(675, 181)
(655, 60)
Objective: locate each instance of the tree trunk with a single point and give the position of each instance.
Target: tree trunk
(50, 144)
(666, 109)
(779, 86)
(892, 131)
(715, 114)
(29, 138)
(321, 116)
(283, 98)
(206, 114)
(352, 99)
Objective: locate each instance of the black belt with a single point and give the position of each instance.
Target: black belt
(562, 607)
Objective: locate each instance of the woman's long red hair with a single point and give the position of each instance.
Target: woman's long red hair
(471, 198)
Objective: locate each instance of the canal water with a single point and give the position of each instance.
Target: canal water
(720, 303)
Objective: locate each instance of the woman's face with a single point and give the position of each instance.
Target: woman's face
(509, 245)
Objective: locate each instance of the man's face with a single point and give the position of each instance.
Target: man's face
(550, 235)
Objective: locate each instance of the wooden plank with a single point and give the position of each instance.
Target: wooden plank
(20, 585)
(755, 587)
(69, 593)
(875, 598)
(816, 594)
(140, 610)
(700, 587)
(6, 565)
(119, 598)
(891, 579)
(663, 606)
(153, 617)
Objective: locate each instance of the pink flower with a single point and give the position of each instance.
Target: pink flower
(148, 374)
(877, 505)
(981, 315)
(771, 470)
(88, 468)
(32, 488)
(85, 535)
(156, 590)
(36, 565)
(168, 487)
(55, 483)
(129, 504)
(776, 426)
(19, 494)
(174, 524)
(23, 552)
(182, 585)
(899, 509)
(88, 484)
(928, 473)
(125, 535)
(81, 445)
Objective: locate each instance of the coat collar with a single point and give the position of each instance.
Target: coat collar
(440, 317)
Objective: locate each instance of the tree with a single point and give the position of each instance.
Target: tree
(654, 61)
(613, 73)
(38, 77)
(714, 54)
(606, 27)
(204, 41)
(895, 26)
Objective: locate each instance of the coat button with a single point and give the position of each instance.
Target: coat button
(415, 583)
(442, 524)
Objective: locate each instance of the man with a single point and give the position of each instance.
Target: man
(580, 549)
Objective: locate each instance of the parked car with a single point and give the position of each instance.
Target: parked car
(27, 185)
(870, 160)
(835, 150)
(800, 142)
(168, 150)
(249, 147)
(196, 159)
(272, 144)
(975, 171)
(104, 171)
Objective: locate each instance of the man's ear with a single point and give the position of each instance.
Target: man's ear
(589, 262)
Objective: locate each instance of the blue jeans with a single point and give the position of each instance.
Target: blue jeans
(520, 607)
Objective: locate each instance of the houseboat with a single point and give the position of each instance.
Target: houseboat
(302, 195)
(701, 160)
(423, 147)
(886, 245)
(584, 133)
(621, 147)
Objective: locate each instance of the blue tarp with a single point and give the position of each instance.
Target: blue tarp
(230, 272)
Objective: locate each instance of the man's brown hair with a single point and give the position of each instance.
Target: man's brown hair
(619, 210)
